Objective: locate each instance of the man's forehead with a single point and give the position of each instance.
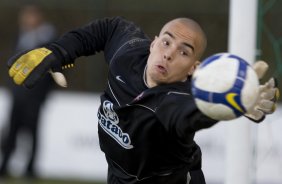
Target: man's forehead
(189, 30)
(184, 42)
(176, 27)
(180, 31)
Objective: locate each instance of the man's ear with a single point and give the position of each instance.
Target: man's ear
(193, 68)
(153, 42)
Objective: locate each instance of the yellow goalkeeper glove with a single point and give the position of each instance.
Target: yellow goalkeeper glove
(29, 67)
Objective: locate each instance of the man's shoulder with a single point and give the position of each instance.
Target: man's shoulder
(178, 99)
(178, 90)
(177, 96)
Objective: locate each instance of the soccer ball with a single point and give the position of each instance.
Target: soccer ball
(225, 86)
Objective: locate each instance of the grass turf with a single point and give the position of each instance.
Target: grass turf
(42, 181)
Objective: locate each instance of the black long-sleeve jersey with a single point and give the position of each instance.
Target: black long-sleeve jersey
(146, 133)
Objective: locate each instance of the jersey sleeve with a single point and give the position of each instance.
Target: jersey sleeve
(180, 116)
(107, 34)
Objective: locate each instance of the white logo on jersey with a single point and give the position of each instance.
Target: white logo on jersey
(109, 124)
(118, 77)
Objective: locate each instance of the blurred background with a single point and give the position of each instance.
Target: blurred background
(68, 149)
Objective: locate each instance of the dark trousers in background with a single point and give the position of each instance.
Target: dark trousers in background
(24, 118)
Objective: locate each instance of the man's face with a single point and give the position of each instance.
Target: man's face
(173, 55)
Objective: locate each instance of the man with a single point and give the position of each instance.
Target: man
(147, 118)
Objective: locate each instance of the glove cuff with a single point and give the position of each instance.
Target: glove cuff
(61, 54)
(250, 117)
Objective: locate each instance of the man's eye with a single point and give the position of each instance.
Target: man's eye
(166, 43)
(183, 53)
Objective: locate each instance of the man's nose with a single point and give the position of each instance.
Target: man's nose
(168, 55)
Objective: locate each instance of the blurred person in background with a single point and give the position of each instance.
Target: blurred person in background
(34, 31)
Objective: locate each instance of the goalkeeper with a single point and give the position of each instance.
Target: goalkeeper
(147, 118)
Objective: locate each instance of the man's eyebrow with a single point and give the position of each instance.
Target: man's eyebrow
(184, 43)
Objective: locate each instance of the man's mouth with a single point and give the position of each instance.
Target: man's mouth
(161, 69)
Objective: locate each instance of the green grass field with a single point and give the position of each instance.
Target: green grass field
(42, 181)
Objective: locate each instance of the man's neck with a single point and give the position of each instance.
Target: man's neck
(147, 80)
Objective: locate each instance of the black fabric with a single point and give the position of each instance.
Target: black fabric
(181, 176)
